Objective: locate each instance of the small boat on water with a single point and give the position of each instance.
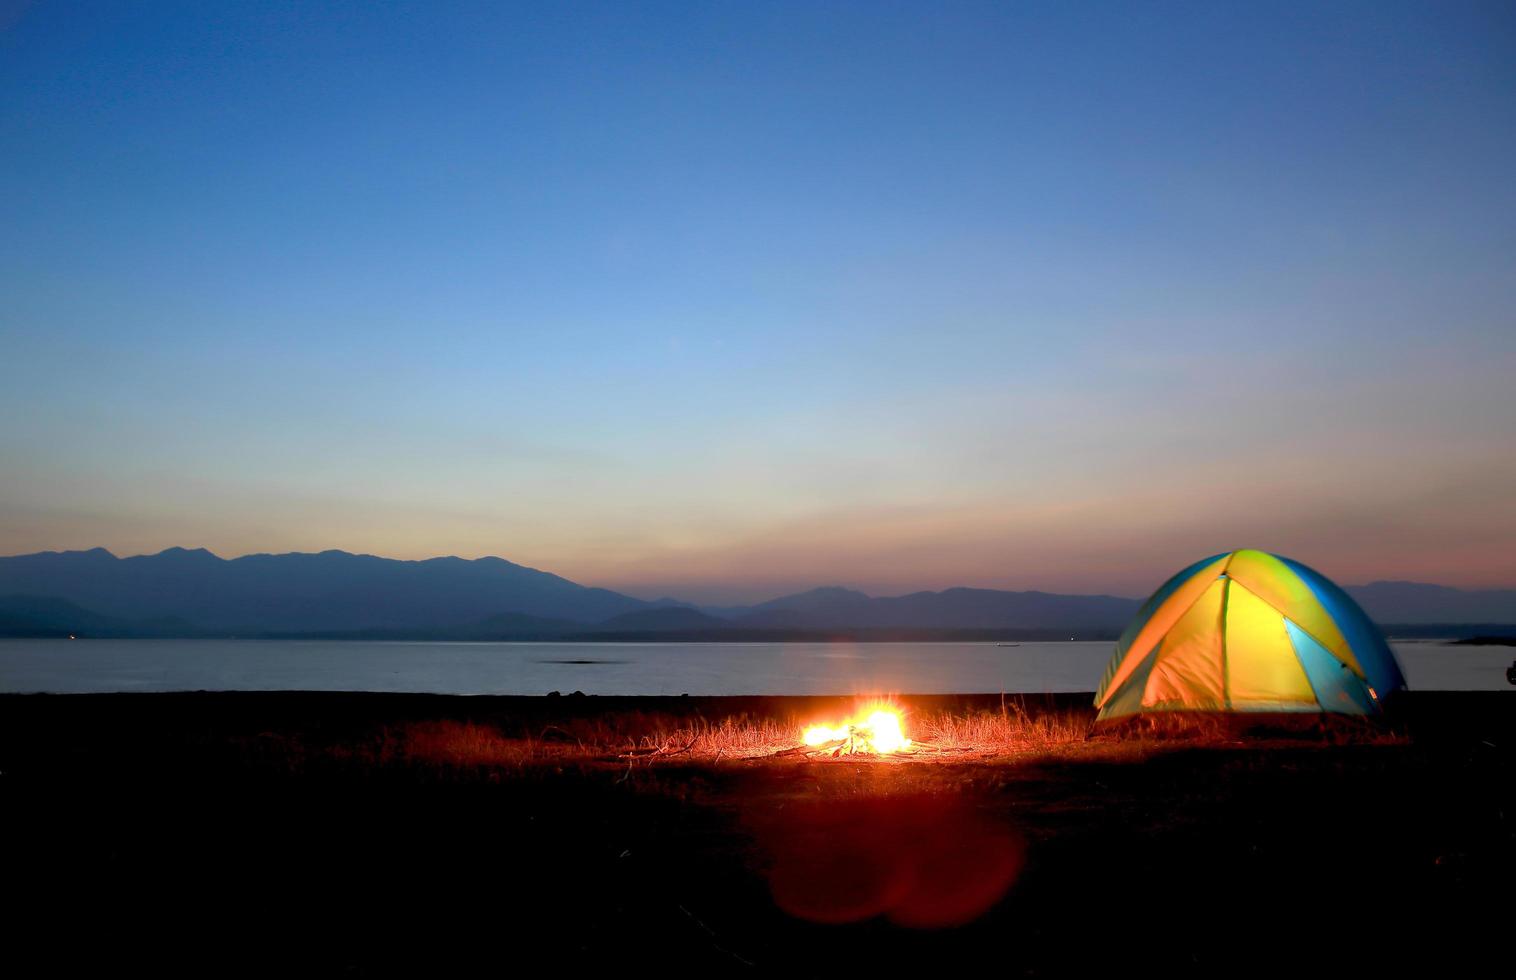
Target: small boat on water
(1008, 644)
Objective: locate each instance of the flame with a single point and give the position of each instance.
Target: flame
(880, 732)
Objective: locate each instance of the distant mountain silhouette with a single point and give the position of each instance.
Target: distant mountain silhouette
(513, 623)
(183, 592)
(1416, 602)
(832, 608)
(832, 597)
(48, 616)
(1388, 603)
(660, 620)
(330, 591)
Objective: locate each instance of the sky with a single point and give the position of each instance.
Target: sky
(726, 300)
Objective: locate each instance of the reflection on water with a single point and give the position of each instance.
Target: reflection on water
(620, 668)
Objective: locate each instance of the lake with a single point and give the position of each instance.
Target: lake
(82, 666)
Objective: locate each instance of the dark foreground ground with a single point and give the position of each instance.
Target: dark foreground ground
(294, 834)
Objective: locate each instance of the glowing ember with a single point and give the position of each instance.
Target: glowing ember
(879, 733)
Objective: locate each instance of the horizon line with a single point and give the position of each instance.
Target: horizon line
(661, 598)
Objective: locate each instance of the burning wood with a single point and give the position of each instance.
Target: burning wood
(878, 734)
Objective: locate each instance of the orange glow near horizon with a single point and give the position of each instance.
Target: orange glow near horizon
(1052, 536)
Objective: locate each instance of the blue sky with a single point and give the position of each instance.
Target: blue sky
(725, 299)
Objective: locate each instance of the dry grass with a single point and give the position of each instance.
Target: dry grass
(650, 738)
(628, 737)
(1010, 733)
(460, 743)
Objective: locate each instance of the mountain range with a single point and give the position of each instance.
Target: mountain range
(192, 592)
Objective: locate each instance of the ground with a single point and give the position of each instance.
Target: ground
(370, 835)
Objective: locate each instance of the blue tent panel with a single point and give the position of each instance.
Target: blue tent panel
(1337, 687)
(1367, 643)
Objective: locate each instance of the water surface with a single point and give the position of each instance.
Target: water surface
(79, 666)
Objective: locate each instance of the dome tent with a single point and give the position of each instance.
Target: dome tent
(1247, 631)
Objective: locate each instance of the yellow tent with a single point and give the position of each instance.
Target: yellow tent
(1249, 631)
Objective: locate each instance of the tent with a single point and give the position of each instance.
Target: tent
(1249, 631)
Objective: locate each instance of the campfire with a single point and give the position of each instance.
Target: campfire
(877, 734)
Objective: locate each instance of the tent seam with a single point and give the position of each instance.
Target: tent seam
(1226, 680)
(1112, 693)
(1330, 618)
(1288, 622)
(1316, 598)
